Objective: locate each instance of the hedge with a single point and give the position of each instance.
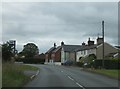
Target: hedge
(31, 60)
(108, 64)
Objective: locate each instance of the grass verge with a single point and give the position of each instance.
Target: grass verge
(106, 72)
(13, 74)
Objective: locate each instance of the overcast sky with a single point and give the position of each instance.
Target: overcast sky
(46, 23)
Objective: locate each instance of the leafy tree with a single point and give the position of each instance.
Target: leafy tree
(30, 50)
(91, 57)
(7, 51)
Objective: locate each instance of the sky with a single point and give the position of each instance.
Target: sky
(46, 23)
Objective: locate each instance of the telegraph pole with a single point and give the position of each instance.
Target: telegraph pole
(103, 42)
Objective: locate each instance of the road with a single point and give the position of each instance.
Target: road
(65, 76)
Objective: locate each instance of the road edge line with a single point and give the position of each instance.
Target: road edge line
(35, 74)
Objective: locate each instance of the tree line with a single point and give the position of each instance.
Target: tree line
(30, 50)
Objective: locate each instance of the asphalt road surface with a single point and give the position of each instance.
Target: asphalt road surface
(65, 76)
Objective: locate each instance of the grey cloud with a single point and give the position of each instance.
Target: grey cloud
(46, 23)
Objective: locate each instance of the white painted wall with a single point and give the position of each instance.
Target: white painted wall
(91, 51)
(62, 56)
(85, 53)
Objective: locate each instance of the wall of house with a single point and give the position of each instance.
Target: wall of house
(46, 57)
(78, 55)
(91, 51)
(58, 56)
(72, 56)
(107, 49)
(67, 55)
(84, 53)
(53, 56)
(62, 56)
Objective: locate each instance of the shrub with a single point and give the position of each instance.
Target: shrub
(31, 60)
(108, 64)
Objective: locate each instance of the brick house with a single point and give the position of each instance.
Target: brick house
(56, 54)
(48, 57)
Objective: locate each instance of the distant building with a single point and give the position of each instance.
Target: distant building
(40, 56)
(68, 52)
(48, 57)
(96, 49)
(56, 54)
(65, 52)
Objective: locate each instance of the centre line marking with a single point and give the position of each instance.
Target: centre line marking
(79, 85)
(70, 78)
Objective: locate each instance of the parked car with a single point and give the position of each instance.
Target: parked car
(68, 62)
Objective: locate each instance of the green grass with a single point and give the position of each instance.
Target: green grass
(13, 76)
(0, 75)
(111, 73)
(27, 67)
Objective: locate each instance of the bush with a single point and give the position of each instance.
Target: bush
(31, 60)
(80, 64)
(108, 64)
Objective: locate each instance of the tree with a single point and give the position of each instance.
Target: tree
(91, 57)
(30, 50)
(7, 51)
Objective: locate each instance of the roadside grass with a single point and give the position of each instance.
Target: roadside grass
(0, 74)
(27, 67)
(111, 73)
(13, 74)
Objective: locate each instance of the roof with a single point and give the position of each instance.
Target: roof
(112, 54)
(59, 47)
(70, 48)
(51, 49)
(117, 47)
(86, 47)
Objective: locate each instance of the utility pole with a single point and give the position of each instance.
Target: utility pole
(103, 42)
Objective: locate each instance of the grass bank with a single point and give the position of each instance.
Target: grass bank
(13, 76)
(106, 72)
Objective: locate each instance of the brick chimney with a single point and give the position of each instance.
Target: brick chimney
(90, 42)
(99, 40)
(54, 45)
(83, 44)
(62, 43)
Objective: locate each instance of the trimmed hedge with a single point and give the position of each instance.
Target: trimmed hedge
(31, 60)
(80, 64)
(108, 64)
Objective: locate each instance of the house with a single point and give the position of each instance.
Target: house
(56, 54)
(40, 56)
(48, 57)
(85, 50)
(96, 49)
(108, 49)
(68, 52)
(74, 53)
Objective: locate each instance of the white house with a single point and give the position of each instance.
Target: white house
(68, 52)
(96, 49)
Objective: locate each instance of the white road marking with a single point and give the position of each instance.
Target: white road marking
(32, 76)
(79, 85)
(70, 78)
(37, 72)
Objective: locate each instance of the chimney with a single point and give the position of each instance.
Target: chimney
(90, 42)
(99, 41)
(54, 45)
(83, 44)
(62, 43)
